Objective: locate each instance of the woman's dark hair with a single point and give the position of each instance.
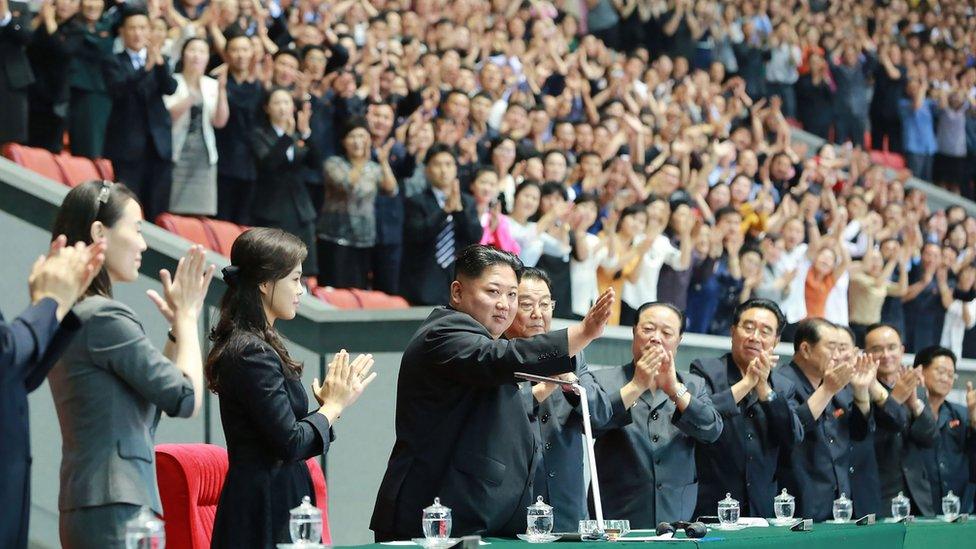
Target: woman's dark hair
(179, 65)
(259, 255)
(85, 204)
(266, 100)
(633, 209)
(353, 123)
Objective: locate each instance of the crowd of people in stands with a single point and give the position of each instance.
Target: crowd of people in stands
(644, 145)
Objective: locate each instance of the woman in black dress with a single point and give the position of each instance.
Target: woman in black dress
(263, 407)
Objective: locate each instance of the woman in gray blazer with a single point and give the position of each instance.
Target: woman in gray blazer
(111, 385)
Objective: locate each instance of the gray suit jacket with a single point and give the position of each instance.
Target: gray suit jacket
(646, 455)
(110, 388)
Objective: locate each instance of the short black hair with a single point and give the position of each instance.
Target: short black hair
(760, 303)
(436, 149)
(353, 123)
(475, 259)
(552, 187)
(926, 356)
(288, 52)
(810, 330)
(666, 305)
(584, 197)
(535, 273)
(878, 326)
(726, 210)
(132, 11)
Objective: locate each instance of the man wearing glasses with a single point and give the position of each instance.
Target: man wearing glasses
(949, 460)
(646, 455)
(555, 415)
(757, 406)
(903, 420)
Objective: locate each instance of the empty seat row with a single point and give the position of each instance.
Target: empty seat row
(63, 168)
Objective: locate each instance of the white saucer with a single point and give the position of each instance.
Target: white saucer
(544, 538)
(782, 521)
(835, 521)
(301, 546)
(728, 528)
(435, 543)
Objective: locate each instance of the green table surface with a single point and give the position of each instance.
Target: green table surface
(921, 534)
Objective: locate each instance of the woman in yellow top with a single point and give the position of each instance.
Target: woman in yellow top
(627, 249)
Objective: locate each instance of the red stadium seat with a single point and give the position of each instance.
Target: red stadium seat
(77, 169)
(40, 161)
(380, 300)
(340, 298)
(190, 228)
(105, 168)
(891, 160)
(223, 234)
(190, 478)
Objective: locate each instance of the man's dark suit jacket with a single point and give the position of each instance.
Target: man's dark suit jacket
(462, 433)
(817, 471)
(951, 461)
(29, 347)
(865, 482)
(139, 118)
(899, 443)
(743, 460)
(14, 37)
(422, 280)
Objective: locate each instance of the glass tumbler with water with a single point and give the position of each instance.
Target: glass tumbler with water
(305, 523)
(437, 521)
(728, 511)
(901, 507)
(843, 508)
(950, 507)
(784, 505)
(145, 531)
(539, 519)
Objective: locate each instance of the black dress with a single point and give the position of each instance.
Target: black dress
(269, 436)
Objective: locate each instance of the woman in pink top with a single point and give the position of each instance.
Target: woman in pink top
(484, 188)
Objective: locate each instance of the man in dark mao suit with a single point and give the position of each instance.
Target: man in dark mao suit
(15, 71)
(29, 347)
(556, 416)
(901, 435)
(758, 410)
(834, 406)
(462, 433)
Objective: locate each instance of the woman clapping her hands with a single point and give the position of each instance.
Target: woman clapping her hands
(263, 407)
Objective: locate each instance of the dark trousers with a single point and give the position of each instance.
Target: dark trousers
(150, 178)
(628, 315)
(886, 125)
(99, 527)
(235, 199)
(386, 268)
(849, 127)
(343, 266)
(13, 114)
(45, 129)
(920, 165)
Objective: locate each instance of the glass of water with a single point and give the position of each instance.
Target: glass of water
(843, 508)
(539, 519)
(728, 511)
(305, 523)
(950, 507)
(145, 531)
(437, 521)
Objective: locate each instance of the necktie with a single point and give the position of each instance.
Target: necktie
(444, 245)
(137, 61)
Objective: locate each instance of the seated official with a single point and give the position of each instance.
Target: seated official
(556, 416)
(903, 431)
(462, 433)
(833, 403)
(263, 408)
(646, 455)
(950, 461)
(757, 406)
